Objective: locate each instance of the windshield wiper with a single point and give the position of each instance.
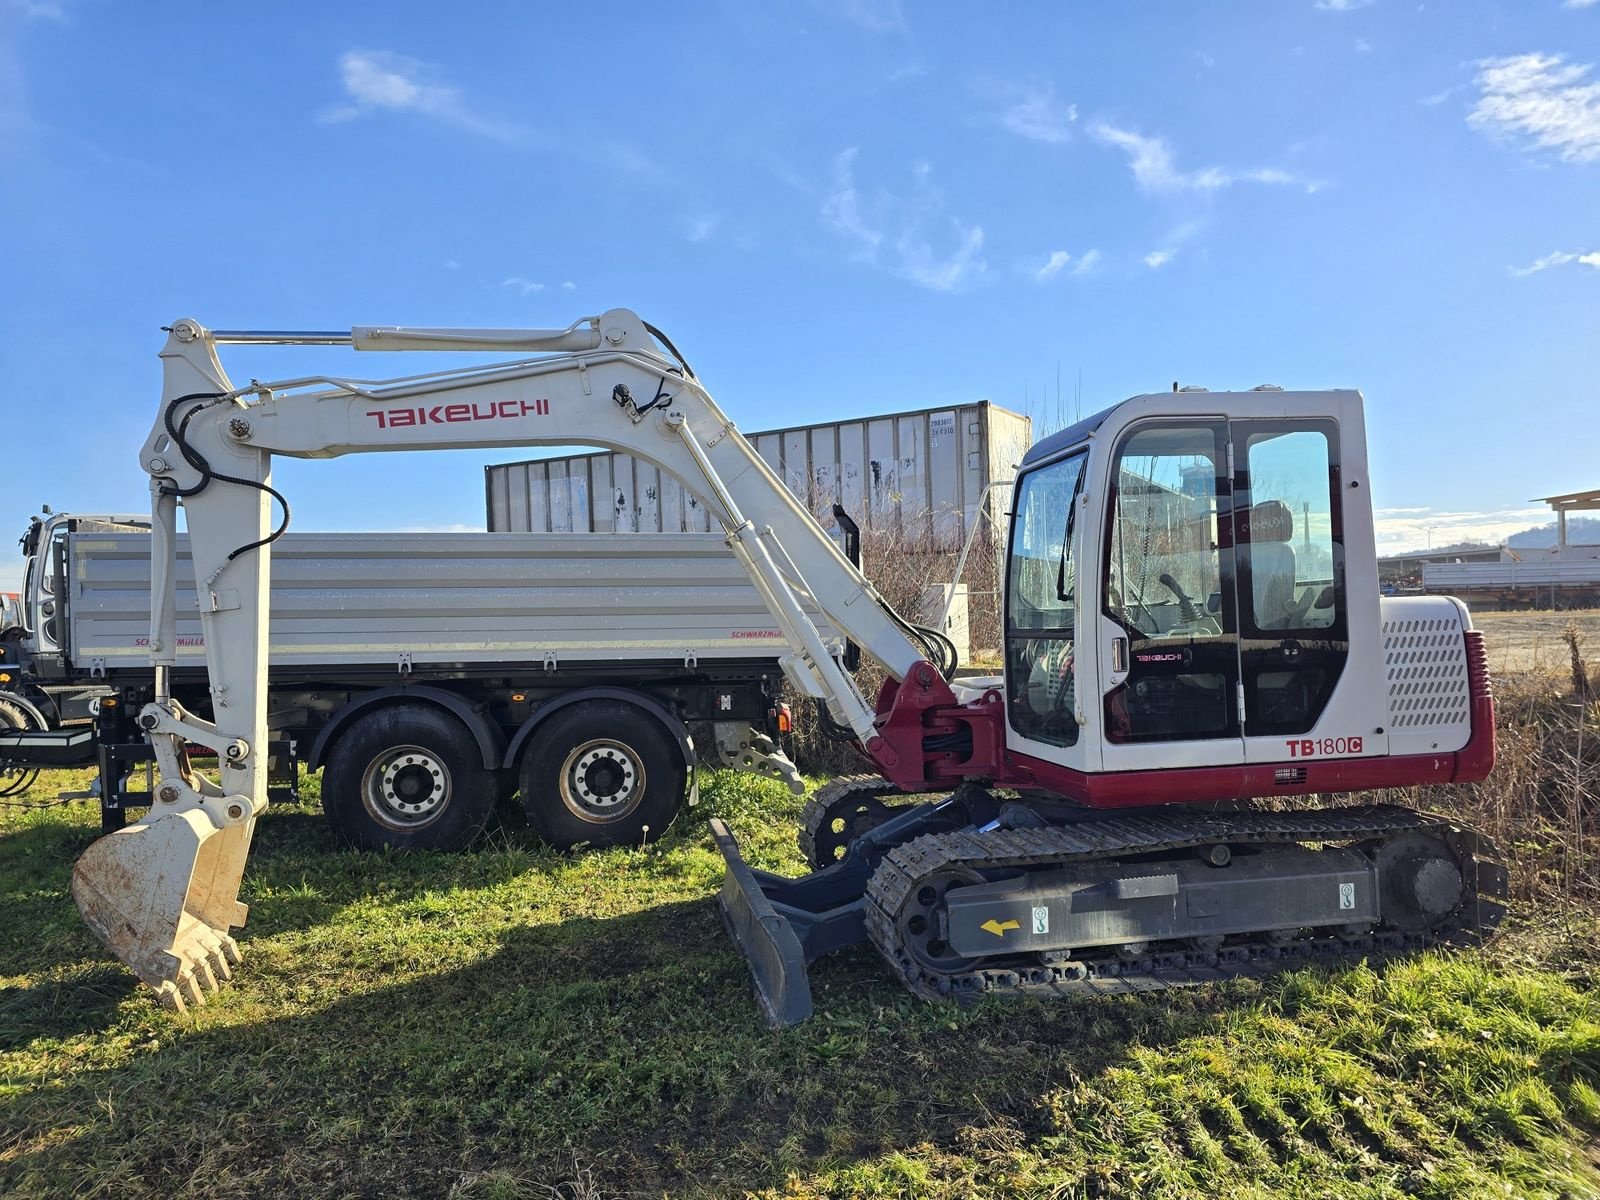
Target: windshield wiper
(1066, 546)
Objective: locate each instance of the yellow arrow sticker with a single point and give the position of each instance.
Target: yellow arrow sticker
(998, 928)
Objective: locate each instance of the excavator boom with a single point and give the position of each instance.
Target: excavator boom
(162, 893)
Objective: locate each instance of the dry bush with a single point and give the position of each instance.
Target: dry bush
(1541, 804)
(901, 565)
(1581, 687)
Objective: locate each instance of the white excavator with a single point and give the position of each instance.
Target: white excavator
(1193, 637)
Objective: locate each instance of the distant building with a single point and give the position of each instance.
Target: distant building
(1398, 568)
(1566, 575)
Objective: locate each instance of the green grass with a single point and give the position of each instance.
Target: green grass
(511, 1022)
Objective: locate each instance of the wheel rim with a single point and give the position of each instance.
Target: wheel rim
(405, 788)
(919, 924)
(602, 780)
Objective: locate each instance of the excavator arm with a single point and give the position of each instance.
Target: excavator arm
(163, 892)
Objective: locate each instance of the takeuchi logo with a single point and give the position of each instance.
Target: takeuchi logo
(453, 414)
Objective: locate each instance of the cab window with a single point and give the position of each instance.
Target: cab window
(1291, 571)
(1168, 584)
(1041, 605)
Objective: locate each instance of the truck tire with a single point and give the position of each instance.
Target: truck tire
(602, 773)
(407, 777)
(16, 717)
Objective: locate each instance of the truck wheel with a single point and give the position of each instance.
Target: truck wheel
(602, 772)
(409, 777)
(14, 777)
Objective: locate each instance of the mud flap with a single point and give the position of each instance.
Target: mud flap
(162, 894)
(769, 945)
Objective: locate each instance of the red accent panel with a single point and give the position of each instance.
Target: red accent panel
(923, 708)
(1193, 785)
(1475, 760)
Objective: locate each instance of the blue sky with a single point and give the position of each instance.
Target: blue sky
(835, 207)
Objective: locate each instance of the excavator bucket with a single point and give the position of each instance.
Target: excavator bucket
(162, 894)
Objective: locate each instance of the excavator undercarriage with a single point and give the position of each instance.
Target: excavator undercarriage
(978, 894)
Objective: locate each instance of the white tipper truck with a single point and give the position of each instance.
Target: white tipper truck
(407, 666)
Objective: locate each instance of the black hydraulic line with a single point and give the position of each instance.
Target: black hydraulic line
(198, 461)
(852, 551)
(673, 350)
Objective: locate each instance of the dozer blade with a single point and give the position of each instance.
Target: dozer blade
(781, 924)
(162, 894)
(768, 943)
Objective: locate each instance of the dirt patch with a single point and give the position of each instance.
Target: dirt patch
(1535, 643)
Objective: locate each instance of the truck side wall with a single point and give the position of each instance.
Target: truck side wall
(405, 601)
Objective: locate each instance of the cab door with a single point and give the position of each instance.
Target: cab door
(1294, 627)
(1167, 612)
(1044, 699)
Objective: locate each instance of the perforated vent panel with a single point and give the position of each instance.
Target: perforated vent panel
(1425, 660)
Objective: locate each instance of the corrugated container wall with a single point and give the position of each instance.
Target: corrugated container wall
(918, 474)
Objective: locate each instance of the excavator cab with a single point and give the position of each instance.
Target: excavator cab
(1197, 587)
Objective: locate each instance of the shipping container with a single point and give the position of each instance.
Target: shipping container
(919, 475)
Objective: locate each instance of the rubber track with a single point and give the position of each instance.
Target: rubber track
(1098, 970)
(845, 789)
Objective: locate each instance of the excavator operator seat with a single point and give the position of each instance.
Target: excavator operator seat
(1272, 564)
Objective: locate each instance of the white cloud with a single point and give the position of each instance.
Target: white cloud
(1342, 5)
(1052, 265)
(630, 160)
(1542, 102)
(1033, 113)
(526, 286)
(896, 233)
(451, 264)
(1402, 529)
(1363, 46)
(1580, 3)
(1156, 170)
(40, 10)
(567, 285)
(379, 81)
(700, 229)
(1088, 262)
(1559, 258)
(1157, 259)
(1441, 96)
(874, 16)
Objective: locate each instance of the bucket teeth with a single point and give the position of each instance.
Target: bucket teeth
(169, 997)
(189, 988)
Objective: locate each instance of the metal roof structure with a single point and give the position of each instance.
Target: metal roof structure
(1571, 502)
